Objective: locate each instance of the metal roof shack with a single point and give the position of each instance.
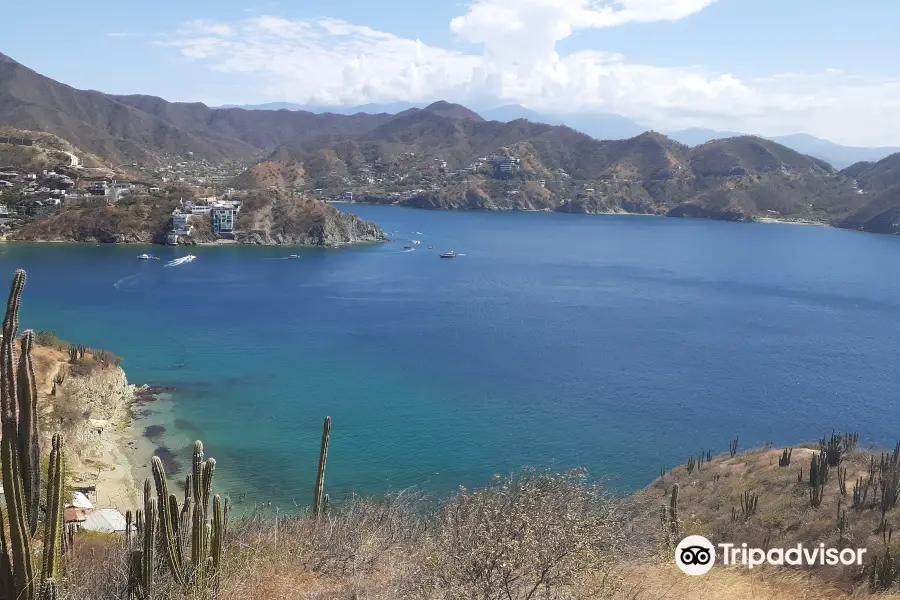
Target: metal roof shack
(105, 520)
(74, 515)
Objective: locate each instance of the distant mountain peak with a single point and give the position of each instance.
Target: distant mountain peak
(454, 111)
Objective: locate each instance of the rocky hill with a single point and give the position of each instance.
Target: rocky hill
(440, 157)
(265, 218)
(138, 128)
(879, 186)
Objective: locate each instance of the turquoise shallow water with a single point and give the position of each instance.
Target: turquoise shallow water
(617, 343)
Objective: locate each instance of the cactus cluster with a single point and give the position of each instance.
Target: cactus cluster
(884, 569)
(785, 459)
(76, 353)
(833, 448)
(20, 465)
(163, 524)
(818, 475)
(733, 447)
(749, 502)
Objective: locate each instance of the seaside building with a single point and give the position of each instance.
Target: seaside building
(223, 220)
(180, 224)
(97, 188)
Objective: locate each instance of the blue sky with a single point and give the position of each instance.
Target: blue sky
(767, 66)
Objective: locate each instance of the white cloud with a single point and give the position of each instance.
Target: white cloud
(331, 61)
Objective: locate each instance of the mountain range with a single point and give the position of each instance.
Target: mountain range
(394, 157)
(608, 126)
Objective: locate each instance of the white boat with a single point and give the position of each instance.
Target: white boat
(293, 256)
(181, 261)
(416, 242)
(450, 254)
(144, 257)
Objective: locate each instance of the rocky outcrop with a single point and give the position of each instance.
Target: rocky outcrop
(274, 219)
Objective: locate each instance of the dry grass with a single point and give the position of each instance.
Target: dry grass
(666, 582)
(784, 516)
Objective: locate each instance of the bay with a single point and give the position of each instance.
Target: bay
(618, 343)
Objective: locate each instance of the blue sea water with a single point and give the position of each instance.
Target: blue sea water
(617, 343)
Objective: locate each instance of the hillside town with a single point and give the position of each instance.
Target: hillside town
(27, 194)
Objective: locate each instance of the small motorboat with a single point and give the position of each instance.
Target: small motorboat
(293, 256)
(431, 247)
(416, 242)
(450, 254)
(181, 261)
(407, 247)
(145, 257)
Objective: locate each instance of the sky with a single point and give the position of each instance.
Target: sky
(769, 67)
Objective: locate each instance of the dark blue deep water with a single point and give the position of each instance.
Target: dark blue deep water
(618, 343)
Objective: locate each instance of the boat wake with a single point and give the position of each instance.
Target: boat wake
(181, 261)
(127, 283)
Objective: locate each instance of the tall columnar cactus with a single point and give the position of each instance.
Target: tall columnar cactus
(673, 514)
(29, 445)
(833, 448)
(53, 522)
(320, 475)
(141, 559)
(20, 464)
(206, 534)
(818, 474)
(785, 460)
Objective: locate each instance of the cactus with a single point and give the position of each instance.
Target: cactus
(320, 475)
(851, 441)
(833, 449)
(884, 569)
(842, 480)
(818, 474)
(673, 514)
(190, 521)
(141, 559)
(29, 446)
(20, 464)
(785, 460)
(691, 464)
(49, 590)
(76, 353)
(54, 520)
(733, 447)
(749, 502)
(167, 522)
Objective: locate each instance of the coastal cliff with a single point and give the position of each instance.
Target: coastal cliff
(90, 402)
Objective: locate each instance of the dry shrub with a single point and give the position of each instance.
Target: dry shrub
(49, 339)
(534, 535)
(96, 569)
(364, 532)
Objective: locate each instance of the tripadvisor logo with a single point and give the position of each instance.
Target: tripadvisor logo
(696, 555)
